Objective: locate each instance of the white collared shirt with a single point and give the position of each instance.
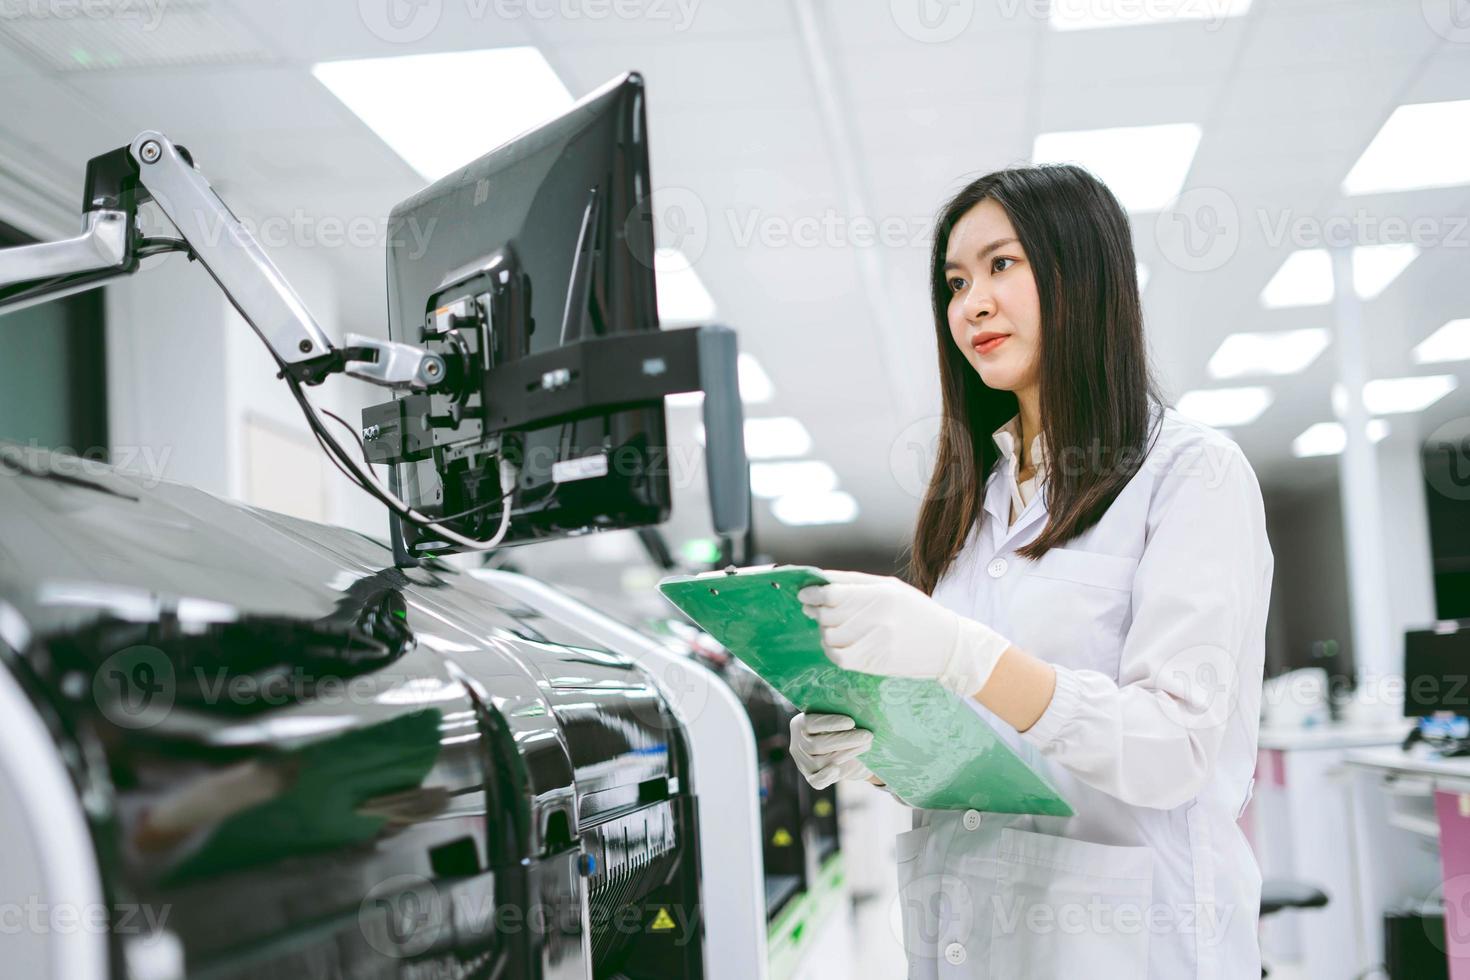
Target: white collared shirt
(1007, 438)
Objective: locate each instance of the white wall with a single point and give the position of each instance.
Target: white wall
(1409, 559)
(166, 376)
(194, 398)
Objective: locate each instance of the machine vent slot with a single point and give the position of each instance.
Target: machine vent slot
(635, 854)
(456, 859)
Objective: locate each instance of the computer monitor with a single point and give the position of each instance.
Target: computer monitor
(1437, 670)
(520, 268)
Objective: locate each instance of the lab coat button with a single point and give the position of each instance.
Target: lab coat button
(972, 819)
(955, 953)
(996, 568)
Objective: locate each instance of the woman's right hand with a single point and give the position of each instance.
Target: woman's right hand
(826, 748)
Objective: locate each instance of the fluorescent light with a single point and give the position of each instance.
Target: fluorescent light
(1450, 342)
(770, 480)
(1423, 145)
(682, 299)
(771, 438)
(1387, 396)
(441, 111)
(1082, 15)
(832, 507)
(1395, 396)
(776, 437)
(1305, 278)
(1330, 438)
(755, 383)
(1225, 406)
(1282, 352)
(755, 386)
(1376, 266)
(1145, 166)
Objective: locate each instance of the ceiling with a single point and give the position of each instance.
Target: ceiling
(767, 118)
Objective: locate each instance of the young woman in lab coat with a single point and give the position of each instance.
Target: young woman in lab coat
(1092, 571)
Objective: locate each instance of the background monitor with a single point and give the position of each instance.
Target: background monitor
(544, 241)
(1437, 670)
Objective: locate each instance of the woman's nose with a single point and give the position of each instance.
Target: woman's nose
(978, 306)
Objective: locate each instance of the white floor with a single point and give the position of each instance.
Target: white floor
(870, 819)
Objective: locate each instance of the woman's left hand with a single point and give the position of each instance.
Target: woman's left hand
(878, 624)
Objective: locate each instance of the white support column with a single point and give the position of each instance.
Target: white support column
(1376, 650)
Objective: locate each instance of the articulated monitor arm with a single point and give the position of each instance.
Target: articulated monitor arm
(558, 385)
(110, 246)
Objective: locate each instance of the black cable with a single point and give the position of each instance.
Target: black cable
(338, 455)
(361, 446)
(157, 246)
(477, 508)
(345, 463)
(355, 479)
(441, 518)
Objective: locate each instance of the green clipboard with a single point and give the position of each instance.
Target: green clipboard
(929, 747)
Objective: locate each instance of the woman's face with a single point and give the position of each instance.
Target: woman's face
(994, 312)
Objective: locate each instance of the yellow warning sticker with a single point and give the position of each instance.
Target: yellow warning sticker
(782, 837)
(663, 921)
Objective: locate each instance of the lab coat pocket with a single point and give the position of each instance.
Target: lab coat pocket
(1070, 908)
(1072, 608)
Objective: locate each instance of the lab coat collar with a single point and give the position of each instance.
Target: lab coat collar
(1008, 437)
(998, 490)
(998, 496)
(998, 506)
(1034, 514)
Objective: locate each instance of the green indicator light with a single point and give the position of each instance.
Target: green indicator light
(701, 551)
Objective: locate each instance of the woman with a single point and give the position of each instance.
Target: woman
(1101, 600)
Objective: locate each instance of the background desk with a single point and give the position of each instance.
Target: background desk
(1412, 811)
(1300, 826)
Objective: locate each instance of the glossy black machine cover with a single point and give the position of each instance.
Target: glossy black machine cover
(322, 765)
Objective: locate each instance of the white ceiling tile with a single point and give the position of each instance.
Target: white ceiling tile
(698, 72)
(1101, 105)
(937, 76)
(948, 30)
(1298, 36)
(1081, 62)
(312, 32)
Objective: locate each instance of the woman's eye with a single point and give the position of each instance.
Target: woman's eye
(995, 264)
(956, 284)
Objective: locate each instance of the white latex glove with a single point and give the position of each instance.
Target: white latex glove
(826, 748)
(878, 624)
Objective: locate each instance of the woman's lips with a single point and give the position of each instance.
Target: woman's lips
(987, 342)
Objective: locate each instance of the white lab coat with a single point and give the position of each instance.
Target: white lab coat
(1155, 620)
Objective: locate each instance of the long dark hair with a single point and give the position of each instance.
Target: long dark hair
(1095, 383)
